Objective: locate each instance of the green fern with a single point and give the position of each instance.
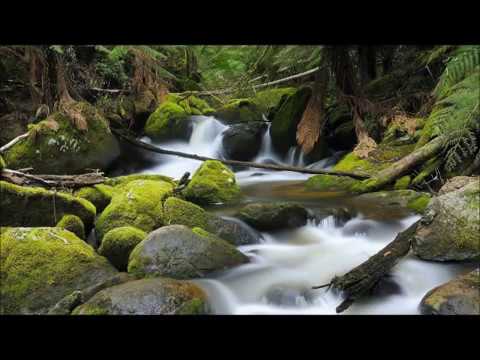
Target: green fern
(456, 114)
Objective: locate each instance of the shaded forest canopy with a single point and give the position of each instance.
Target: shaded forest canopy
(362, 97)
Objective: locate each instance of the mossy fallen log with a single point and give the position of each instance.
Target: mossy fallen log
(361, 280)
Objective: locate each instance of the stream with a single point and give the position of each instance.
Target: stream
(286, 264)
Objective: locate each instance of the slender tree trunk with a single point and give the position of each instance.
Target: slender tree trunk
(387, 61)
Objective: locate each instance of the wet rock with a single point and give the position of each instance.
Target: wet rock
(233, 230)
(289, 296)
(461, 296)
(32, 206)
(179, 252)
(243, 141)
(63, 145)
(450, 227)
(406, 199)
(212, 183)
(117, 244)
(273, 216)
(40, 266)
(160, 296)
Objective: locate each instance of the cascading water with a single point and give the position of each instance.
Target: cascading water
(286, 264)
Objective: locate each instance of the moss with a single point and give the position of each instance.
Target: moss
(402, 183)
(99, 195)
(3, 165)
(74, 224)
(212, 183)
(119, 181)
(330, 183)
(168, 121)
(268, 99)
(66, 149)
(239, 110)
(193, 307)
(286, 119)
(90, 310)
(181, 212)
(40, 266)
(32, 206)
(118, 243)
(427, 168)
(202, 232)
(138, 203)
(419, 204)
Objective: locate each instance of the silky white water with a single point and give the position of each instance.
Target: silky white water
(285, 265)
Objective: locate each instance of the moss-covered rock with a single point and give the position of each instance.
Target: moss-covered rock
(461, 296)
(273, 216)
(179, 252)
(212, 183)
(330, 183)
(169, 121)
(181, 212)
(57, 146)
(32, 206)
(99, 195)
(287, 116)
(41, 265)
(119, 181)
(137, 203)
(74, 224)
(161, 296)
(252, 109)
(117, 244)
(450, 227)
(191, 104)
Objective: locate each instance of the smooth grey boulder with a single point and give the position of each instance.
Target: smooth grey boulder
(243, 141)
(179, 252)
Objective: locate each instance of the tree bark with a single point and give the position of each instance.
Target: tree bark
(60, 181)
(361, 280)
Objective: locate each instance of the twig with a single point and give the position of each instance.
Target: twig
(13, 142)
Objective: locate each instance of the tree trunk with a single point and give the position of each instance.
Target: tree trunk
(361, 280)
(367, 63)
(387, 61)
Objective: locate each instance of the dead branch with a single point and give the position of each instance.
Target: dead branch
(52, 181)
(13, 142)
(152, 148)
(362, 279)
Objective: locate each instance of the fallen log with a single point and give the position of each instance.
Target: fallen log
(54, 181)
(13, 142)
(152, 148)
(361, 280)
(404, 165)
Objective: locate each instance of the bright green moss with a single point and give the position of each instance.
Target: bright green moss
(32, 206)
(419, 204)
(74, 224)
(42, 265)
(266, 100)
(138, 203)
(239, 110)
(181, 212)
(99, 195)
(3, 165)
(352, 163)
(212, 183)
(118, 243)
(330, 183)
(66, 149)
(402, 183)
(168, 121)
(119, 181)
(202, 232)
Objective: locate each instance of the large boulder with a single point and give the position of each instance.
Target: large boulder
(243, 141)
(138, 203)
(66, 144)
(160, 296)
(73, 224)
(287, 116)
(99, 195)
(233, 230)
(32, 206)
(169, 121)
(179, 252)
(450, 227)
(273, 216)
(42, 265)
(457, 182)
(181, 212)
(117, 244)
(461, 296)
(212, 183)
